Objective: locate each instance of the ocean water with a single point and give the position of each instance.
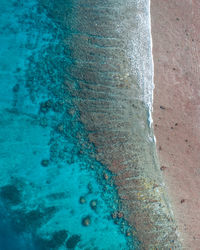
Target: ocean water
(54, 193)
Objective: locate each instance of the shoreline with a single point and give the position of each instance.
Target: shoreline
(114, 95)
(176, 109)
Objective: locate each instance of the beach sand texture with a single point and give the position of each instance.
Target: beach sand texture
(175, 31)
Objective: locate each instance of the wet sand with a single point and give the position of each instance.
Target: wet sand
(176, 44)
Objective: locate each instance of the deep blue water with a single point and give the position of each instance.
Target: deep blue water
(50, 185)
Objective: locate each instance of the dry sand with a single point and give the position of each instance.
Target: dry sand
(176, 48)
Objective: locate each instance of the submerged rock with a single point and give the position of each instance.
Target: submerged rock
(82, 200)
(86, 221)
(45, 163)
(45, 106)
(93, 204)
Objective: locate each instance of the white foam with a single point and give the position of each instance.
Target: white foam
(141, 55)
(152, 71)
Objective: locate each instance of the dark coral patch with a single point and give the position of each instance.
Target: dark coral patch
(45, 106)
(10, 194)
(44, 244)
(58, 239)
(30, 221)
(73, 241)
(16, 88)
(27, 221)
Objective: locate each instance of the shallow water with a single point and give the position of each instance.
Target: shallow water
(46, 161)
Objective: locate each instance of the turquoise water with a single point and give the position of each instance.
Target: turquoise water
(54, 194)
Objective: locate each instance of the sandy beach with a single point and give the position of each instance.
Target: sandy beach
(175, 31)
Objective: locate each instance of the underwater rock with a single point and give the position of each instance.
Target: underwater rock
(82, 200)
(73, 241)
(45, 163)
(93, 204)
(45, 106)
(86, 221)
(105, 176)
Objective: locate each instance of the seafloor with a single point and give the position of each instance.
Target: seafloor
(78, 161)
(51, 185)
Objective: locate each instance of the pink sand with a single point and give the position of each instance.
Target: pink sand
(176, 50)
